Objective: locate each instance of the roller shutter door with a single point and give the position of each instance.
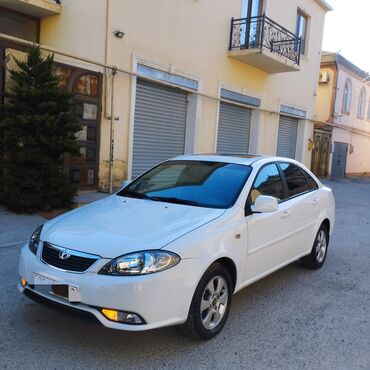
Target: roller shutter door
(159, 125)
(287, 137)
(233, 129)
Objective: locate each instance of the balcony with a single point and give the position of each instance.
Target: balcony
(264, 44)
(34, 8)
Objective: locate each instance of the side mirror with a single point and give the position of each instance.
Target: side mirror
(125, 183)
(265, 204)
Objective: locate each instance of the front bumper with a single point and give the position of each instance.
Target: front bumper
(161, 299)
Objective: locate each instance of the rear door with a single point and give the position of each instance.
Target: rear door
(304, 206)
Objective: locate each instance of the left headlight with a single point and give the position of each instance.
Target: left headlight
(141, 263)
(34, 240)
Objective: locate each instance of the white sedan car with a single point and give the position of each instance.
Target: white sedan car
(173, 246)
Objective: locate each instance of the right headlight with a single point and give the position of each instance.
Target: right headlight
(141, 263)
(34, 240)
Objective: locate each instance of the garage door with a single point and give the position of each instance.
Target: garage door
(159, 125)
(233, 129)
(287, 137)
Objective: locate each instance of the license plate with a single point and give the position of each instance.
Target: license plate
(42, 280)
(70, 292)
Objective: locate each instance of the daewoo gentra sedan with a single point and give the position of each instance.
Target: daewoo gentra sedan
(174, 245)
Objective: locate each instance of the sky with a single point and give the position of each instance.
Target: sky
(347, 28)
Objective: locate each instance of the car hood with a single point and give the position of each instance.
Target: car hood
(117, 225)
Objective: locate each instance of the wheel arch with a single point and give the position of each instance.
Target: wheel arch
(230, 265)
(326, 223)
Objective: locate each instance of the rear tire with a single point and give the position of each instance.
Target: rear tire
(210, 306)
(317, 257)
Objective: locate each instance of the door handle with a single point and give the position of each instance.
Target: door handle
(286, 213)
(315, 202)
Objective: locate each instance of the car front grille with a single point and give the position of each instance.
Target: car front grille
(76, 262)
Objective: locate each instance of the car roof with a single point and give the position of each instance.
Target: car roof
(246, 159)
(254, 160)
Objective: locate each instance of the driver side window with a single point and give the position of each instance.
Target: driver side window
(267, 182)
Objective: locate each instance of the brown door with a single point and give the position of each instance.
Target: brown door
(2, 73)
(320, 153)
(86, 88)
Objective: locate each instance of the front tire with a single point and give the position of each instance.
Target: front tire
(211, 303)
(317, 257)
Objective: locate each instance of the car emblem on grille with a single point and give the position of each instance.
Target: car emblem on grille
(64, 254)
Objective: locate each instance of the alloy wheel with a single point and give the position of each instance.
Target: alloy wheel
(214, 302)
(321, 246)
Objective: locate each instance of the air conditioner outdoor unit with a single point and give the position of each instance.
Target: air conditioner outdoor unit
(324, 77)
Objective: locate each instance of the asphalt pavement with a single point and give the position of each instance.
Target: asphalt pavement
(293, 319)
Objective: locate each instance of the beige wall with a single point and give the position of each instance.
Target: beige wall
(190, 38)
(325, 95)
(79, 30)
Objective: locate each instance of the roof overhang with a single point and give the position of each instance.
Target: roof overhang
(34, 8)
(325, 5)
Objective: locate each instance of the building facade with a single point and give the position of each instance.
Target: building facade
(342, 138)
(155, 79)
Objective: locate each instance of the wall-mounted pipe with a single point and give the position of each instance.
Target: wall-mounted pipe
(134, 74)
(111, 135)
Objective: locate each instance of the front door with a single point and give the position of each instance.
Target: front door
(268, 233)
(338, 167)
(320, 153)
(85, 86)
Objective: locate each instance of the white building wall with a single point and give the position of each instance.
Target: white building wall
(358, 156)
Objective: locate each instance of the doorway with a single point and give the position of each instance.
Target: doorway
(159, 125)
(320, 153)
(85, 85)
(252, 11)
(338, 167)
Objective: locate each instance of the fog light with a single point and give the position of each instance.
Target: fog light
(110, 314)
(23, 282)
(123, 317)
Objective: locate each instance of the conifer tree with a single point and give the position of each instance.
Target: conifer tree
(37, 128)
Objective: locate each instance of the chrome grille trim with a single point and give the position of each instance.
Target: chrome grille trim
(80, 262)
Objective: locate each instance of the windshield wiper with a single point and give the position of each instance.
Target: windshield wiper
(134, 194)
(176, 200)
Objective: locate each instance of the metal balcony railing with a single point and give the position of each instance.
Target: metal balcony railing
(263, 32)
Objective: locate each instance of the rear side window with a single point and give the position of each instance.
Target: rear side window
(267, 182)
(296, 180)
(312, 185)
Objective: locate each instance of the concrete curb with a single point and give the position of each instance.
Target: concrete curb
(14, 244)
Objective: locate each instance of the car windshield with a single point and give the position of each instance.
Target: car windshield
(197, 183)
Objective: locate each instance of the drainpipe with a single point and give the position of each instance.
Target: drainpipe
(335, 89)
(106, 58)
(111, 135)
(106, 93)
